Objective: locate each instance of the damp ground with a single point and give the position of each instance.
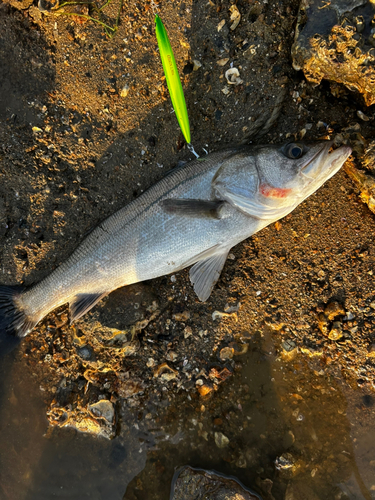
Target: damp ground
(272, 379)
(278, 425)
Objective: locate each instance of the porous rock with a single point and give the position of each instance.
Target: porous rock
(189, 484)
(335, 41)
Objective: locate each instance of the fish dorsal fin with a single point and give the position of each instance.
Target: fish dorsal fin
(193, 208)
(82, 304)
(205, 273)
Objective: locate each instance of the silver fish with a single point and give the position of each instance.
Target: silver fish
(193, 216)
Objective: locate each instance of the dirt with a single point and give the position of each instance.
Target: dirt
(76, 147)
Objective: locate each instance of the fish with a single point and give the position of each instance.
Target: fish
(191, 217)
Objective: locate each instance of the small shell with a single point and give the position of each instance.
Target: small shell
(124, 91)
(235, 17)
(225, 90)
(362, 116)
(164, 368)
(233, 76)
(221, 25)
(302, 133)
(197, 64)
(222, 62)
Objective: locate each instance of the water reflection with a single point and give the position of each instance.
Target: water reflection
(280, 410)
(37, 464)
(276, 410)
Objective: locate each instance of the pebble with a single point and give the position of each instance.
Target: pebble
(226, 353)
(183, 316)
(150, 363)
(221, 440)
(222, 62)
(288, 345)
(219, 315)
(104, 409)
(336, 331)
(235, 16)
(85, 352)
(124, 91)
(221, 25)
(362, 116)
(284, 462)
(188, 332)
(204, 389)
(334, 309)
(171, 356)
(165, 372)
(197, 64)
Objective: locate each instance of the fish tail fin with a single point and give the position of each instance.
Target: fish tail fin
(13, 320)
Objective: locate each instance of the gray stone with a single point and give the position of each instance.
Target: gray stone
(190, 484)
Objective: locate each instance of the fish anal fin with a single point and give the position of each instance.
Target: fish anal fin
(82, 304)
(205, 273)
(193, 208)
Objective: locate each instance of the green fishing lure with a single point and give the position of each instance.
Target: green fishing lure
(172, 77)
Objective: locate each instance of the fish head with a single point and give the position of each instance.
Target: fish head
(268, 182)
(289, 174)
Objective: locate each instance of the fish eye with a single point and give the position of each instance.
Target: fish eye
(293, 150)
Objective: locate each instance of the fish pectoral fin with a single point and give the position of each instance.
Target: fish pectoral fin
(82, 304)
(205, 273)
(254, 207)
(193, 208)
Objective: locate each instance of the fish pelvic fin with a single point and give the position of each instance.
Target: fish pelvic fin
(205, 273)
(82, 304)
(14, 322)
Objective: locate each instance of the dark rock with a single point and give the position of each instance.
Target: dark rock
(334, 41)
(189, 484)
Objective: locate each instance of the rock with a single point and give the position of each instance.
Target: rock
(365, 182)
(97, 419)
(125, 91)
(226, 353)
(322, 323)
(288, 345)
(190, 484)
(197, 64)
(20, 4)
(221, 440)
(104, 409)
(235, 16)
(86, 352)
(285, 462)
(204, 389)
(334, 309)
(182, 316)
(127, 387)
(334, 40)
(336, 331)
(165, 372)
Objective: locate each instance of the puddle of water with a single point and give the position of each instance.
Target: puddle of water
(277, 419)
(39, 464)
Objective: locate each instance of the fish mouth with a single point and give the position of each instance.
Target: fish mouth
(325, 161)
